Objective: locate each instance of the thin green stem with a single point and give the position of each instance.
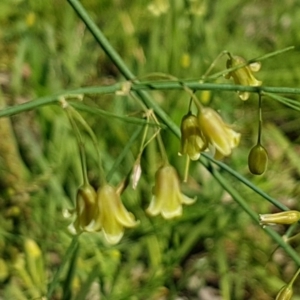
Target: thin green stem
(162, 149)
(91, 133)
(80, 146)
(186, 169)
(140, 87)
(213, 64)
(106, 114)
(294, 278)
(259, 119)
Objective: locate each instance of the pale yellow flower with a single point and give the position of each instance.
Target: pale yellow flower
(113, 216)
(243, 75)
(192, 141)
(220, 137)
(284, 217)
(167, 198)
(103, 210)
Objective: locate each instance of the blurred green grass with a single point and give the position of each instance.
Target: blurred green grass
(214, 248)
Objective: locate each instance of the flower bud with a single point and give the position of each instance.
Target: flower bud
(285, 293)
(86, 205)
(86, 211)
(258, 160)
(285, 217)
(192, 142)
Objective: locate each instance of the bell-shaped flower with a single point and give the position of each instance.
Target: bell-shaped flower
(243, 75)
(220, 137)
(167, 198)
(192, 141)
(86, 211)
(113, 216)
(284, 217)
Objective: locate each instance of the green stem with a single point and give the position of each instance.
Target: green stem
(215, 62)
(294, 278)
(259, 119)
(162, 149)
(91, 133)
(186, 169)
(80, 146)
(140, 87)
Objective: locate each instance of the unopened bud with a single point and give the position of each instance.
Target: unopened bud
(285, 293)
(285, 217)
(258, 160)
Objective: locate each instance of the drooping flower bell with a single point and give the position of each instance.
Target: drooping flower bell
(243, 75)
(86, 211)
(113, 216)
(284, 217)
(192, 141)
(220, 137)
(167, 198)
(258, 160)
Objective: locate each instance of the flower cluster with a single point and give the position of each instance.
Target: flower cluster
(103, 210)
(207, 131)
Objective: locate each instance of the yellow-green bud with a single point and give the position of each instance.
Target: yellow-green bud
(258, 160)
(285, 293)
(86, 205)
(192, 141)
(285, 217)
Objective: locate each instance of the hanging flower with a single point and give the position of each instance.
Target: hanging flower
(243, 75)
(86, 211)
(167, 198)
(192, 142)
(220, 137)
(101, 211)
(285, 217)
(113, 216)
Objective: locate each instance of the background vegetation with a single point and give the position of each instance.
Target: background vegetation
(214, 251)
